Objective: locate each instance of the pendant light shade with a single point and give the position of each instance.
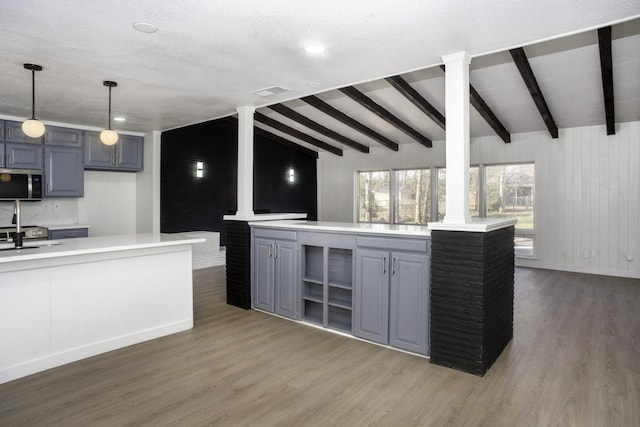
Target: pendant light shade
(33, 127)
(109, 136)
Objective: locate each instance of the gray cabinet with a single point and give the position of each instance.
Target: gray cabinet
(392, 294)
(372, 296)
(68, 233)
(23, 155)
(274, 274)
(409, 302)
(13, 133)
(63, 172)
(63, 162)
(126, 155)
(18, 151)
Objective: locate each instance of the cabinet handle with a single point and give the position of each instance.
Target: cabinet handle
(270, 250)
(393, 265)
(275, 251)
(384, 265)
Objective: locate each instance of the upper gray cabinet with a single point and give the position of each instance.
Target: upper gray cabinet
(66, 137)
(126, 155)
(13, 133)
(63, 162)
(19, 151)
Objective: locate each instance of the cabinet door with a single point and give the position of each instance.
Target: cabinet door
(129, 153)
(263, 274)
(55, 135)
(286, 278)
(68, 233)
(13, 133)
(63, 172)
(96, 154)
(23, 156)
(409, 302)
(371, 296)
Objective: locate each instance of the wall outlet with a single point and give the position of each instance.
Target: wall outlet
(629, 258)
(56, 206)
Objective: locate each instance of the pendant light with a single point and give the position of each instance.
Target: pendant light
(109, 136)
(33, 127)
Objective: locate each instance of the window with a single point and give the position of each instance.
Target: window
(373, 196)
(510, 193)
(415, 196)
(412, 196)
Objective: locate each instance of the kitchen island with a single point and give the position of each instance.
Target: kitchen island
(366, 280)
(77, 298)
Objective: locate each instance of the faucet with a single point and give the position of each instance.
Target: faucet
(18, 235)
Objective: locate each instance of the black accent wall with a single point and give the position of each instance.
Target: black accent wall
(188, 203)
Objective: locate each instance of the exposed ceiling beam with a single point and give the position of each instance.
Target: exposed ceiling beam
(296, 133)
(343, 118)
(606, 67)
(521, 61)
(487, 113)
(278, 139)
(384, 114)
(295, 116)
(418, 100)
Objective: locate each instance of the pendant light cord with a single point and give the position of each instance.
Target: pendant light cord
(33, 94)
(109, 108)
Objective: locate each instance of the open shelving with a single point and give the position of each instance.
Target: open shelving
(327, 283)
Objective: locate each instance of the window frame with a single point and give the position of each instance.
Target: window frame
(435, 194)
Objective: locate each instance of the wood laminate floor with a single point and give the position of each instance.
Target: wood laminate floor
(574, 361)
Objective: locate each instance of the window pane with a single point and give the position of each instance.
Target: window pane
(474, 192)
(373, 196)
(523, 245)
(413, 197)
(511, 193)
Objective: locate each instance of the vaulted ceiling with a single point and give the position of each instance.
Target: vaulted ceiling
(379, 83)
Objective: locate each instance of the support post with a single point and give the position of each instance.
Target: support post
(457, 137)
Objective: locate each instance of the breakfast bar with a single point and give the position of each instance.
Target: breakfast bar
(67, 300)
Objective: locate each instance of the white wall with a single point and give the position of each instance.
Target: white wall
(148, 187)
(109, 203)
(587, 191)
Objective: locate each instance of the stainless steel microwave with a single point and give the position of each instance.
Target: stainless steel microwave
(17, 184)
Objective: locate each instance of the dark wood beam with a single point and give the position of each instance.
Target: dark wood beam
(606, 67)
(277, 139)
(521, 61)
(418, 100)
(343, 118)
(384, 114)
(297, 117)
(487, 114)
(296, 133)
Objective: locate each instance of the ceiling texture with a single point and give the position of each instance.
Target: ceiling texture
(379, 83)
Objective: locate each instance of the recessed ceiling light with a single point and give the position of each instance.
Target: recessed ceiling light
(145, 27)
(119, 119)
(314, 49)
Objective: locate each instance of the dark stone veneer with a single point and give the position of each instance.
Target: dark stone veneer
(472, 290)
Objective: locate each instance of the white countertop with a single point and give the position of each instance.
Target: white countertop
(264, 217)
(480, 225)
(92, 245)
(348, 227)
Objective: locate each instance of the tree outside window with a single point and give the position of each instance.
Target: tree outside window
(373, 196)
(412, 196)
